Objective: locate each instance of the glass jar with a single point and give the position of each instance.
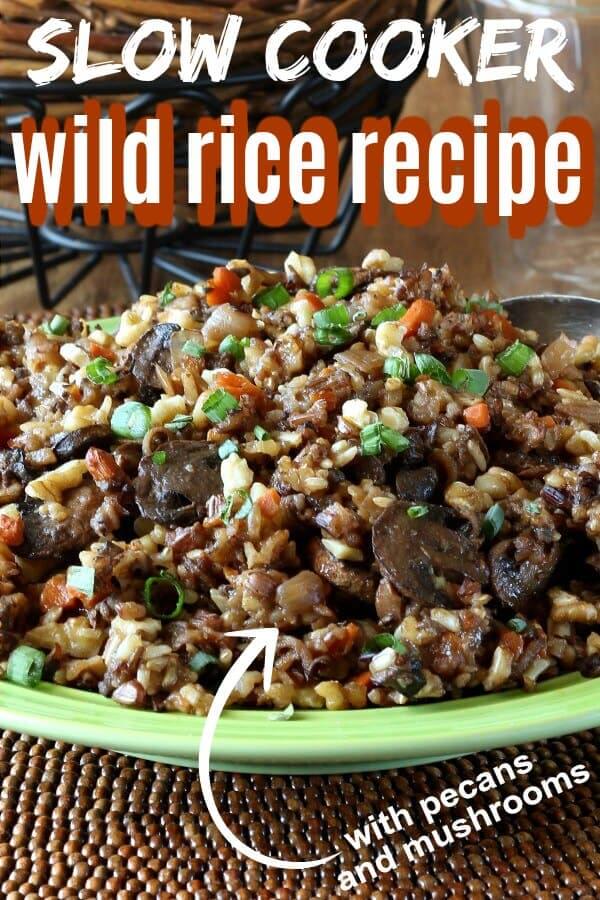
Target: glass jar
(550, 257)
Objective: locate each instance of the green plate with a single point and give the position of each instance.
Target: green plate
(312, 741)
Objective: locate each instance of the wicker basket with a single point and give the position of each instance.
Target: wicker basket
(114, 20)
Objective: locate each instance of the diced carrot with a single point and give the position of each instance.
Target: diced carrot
(477, 416)
(238, 385)
(216, 297)
(102, 465)
(225, 280)
(512, 642)
(344, 639)
(353, 631)
(508, 329)
(315, 302)
(328, 396)
(548, 421)
(56, 594)
(12, 530)
(501, 322)
(223, 287)
(419, 311)
(97, 350)
(364, 678)
(565, 384)
(7, 433)
(269, 502)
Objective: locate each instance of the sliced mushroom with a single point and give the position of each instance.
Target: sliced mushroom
(412, 553)
(404, 675)
(389, 605)
(517, 581)
(227, 319)
(417, 484)
(371, 467)
(593, 387)
(127, 455)
(590, 666)
(12, 463)
(47, 538)
(75, 444)
(584, 408)
(176, 491)
(15, 610)
(152, 349)
(421, 438)
(349, 578)
(526, 465)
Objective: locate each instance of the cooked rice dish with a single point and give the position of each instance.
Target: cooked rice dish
(391, 473)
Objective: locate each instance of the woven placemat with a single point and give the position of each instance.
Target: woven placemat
(79, 823)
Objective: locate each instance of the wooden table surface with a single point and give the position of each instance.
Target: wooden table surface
(465, 249)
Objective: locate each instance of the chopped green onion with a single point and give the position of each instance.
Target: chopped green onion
(391, 314)
(429, 365)
(227, 448)
(164, 596)
(260, 433)
(167, 295)
(335, 315)
(57, 325)
(374, 437)
(25, 666)
(334, 336)
(273, 297)
(417, 512)
(159, 457)
(473, 381)
(233, 345)
(178, 422)
(109, 326)
(533, 507)
(330, 325)
(517, 624)
(244, 510)
(227, 508)
(131, 420)
(193, 348)
(393, 440)
(370, 440)
(218, 405)
(380, 642)
(202, 660)
(282, 715)
(514, 360)
(337, 281)
(493, 521)
(81, 579)
(477, 302)
(100, 371)
(400, 367)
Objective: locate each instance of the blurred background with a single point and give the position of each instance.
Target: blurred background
(79, 266)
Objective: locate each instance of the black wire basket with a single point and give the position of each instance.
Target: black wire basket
(184, 250)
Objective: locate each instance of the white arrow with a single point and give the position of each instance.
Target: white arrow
(262, 639)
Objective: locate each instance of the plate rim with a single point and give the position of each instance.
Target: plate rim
(312, 741)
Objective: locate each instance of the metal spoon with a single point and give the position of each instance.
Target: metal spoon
(551, 314)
